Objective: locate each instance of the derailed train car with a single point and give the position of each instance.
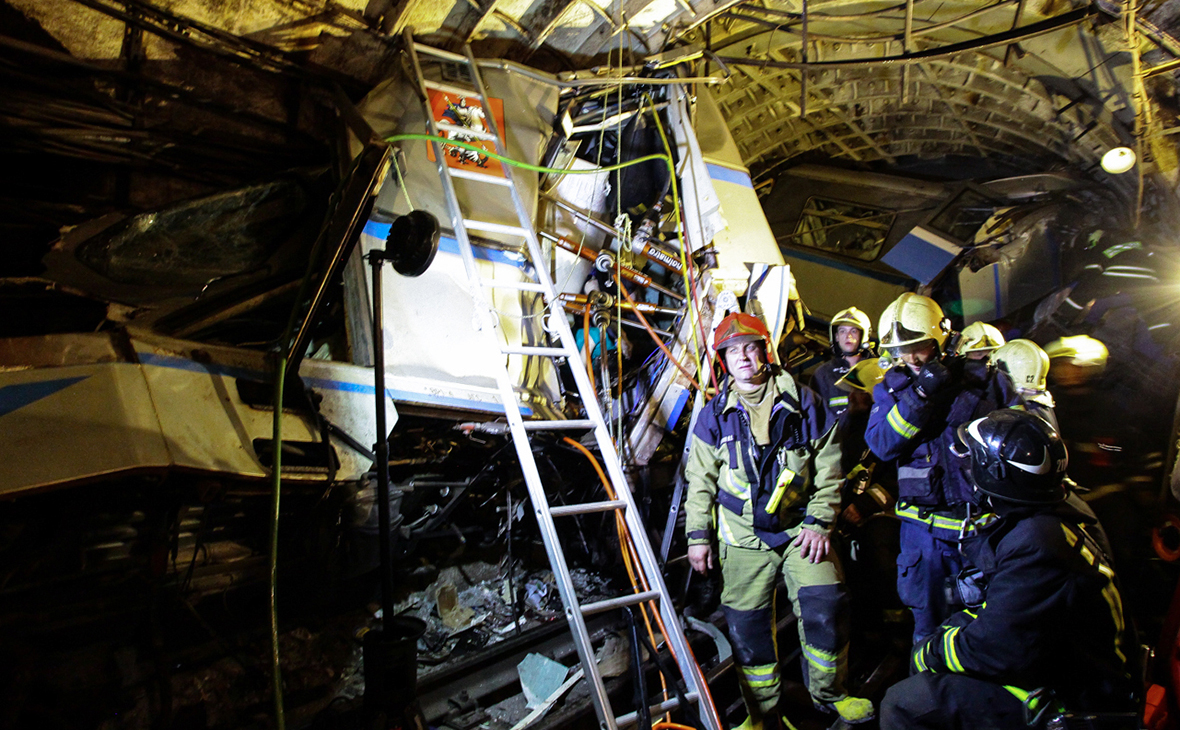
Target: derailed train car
(141, 442)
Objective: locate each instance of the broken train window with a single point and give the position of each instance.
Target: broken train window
(843, 228)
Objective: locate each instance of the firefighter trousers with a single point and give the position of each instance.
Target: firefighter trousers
(930, 701)
(927, 559)
(820, 602)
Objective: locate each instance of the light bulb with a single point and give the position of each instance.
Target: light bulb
(1118, 160)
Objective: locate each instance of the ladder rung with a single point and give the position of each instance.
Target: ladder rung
(450, 89)
(566, 425)
(439, 53)
(518, 285)
(600, 606)
(539, 351)
(671, 704)
(587, 508)
(489, 227)
(482, 177)
(456, 129)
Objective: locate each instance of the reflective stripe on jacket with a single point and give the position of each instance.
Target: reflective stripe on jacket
(762, 491)
(919, 432)
(824, 382)
(1053, 615)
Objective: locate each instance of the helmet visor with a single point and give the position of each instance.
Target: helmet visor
(896, 351)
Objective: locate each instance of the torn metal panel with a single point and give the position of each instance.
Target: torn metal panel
(434, 355)
(745, 237)
(95, 410)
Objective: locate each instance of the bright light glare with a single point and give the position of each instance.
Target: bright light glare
(1118, 160)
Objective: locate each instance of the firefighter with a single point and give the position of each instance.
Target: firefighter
(849, 333)
(916, 409)
(1028, 366)
(1094, 421)
(1051, 636)
(763, 480)
(980, 340)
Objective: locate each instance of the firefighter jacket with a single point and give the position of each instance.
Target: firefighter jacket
(824, 382)
(1053, 616)
(762, 491)
(919, 432)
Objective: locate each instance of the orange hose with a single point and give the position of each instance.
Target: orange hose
(655, 337)
(628, 547)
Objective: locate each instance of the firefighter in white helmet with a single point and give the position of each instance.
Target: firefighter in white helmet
(980, 339)
(849, 332)
(923, 399)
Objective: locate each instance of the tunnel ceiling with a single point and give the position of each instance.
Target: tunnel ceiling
(1028, 85)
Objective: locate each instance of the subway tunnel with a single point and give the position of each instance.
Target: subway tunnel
(198, 194)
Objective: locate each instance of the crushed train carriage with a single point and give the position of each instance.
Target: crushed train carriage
(151, 440)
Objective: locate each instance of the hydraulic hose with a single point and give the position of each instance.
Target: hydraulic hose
(655, 337)
(665, 158)
(628, 555)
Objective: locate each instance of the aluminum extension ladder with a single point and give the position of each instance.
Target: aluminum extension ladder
(648, 567)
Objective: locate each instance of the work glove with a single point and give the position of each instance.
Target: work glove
(935, 380)
(898, 378)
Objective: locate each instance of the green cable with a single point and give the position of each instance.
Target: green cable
(277, 470)
(528, 166)
(666, 158)
(681, 228)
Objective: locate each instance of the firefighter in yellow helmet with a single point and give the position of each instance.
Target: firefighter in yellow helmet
(979, 340)
(1028, 366)
(918, 406)
(849, 332)
(1075, 360)
(763, 473)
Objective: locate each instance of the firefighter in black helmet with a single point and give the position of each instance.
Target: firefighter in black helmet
(1048, 634)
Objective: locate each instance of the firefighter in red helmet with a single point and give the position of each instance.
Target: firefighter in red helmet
(763, 476)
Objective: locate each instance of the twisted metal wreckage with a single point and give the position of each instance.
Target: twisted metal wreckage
(148, 447)
(145, 448)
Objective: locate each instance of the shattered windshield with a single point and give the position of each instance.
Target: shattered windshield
(196, 241)
(844, 228)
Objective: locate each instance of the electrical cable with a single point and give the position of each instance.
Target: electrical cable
(656, 338)
(627, 549)
(418, 137)
(678, 221)
(628, 553)
(277, 481)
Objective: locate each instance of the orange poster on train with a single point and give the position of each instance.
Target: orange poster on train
(466, 111)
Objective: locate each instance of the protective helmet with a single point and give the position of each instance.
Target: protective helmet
(863, 376)
(1082, 350)
(980, 337)
(1025, 361)
(855, 318)
(740, 327)
(1016, 456)
(912, 318)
